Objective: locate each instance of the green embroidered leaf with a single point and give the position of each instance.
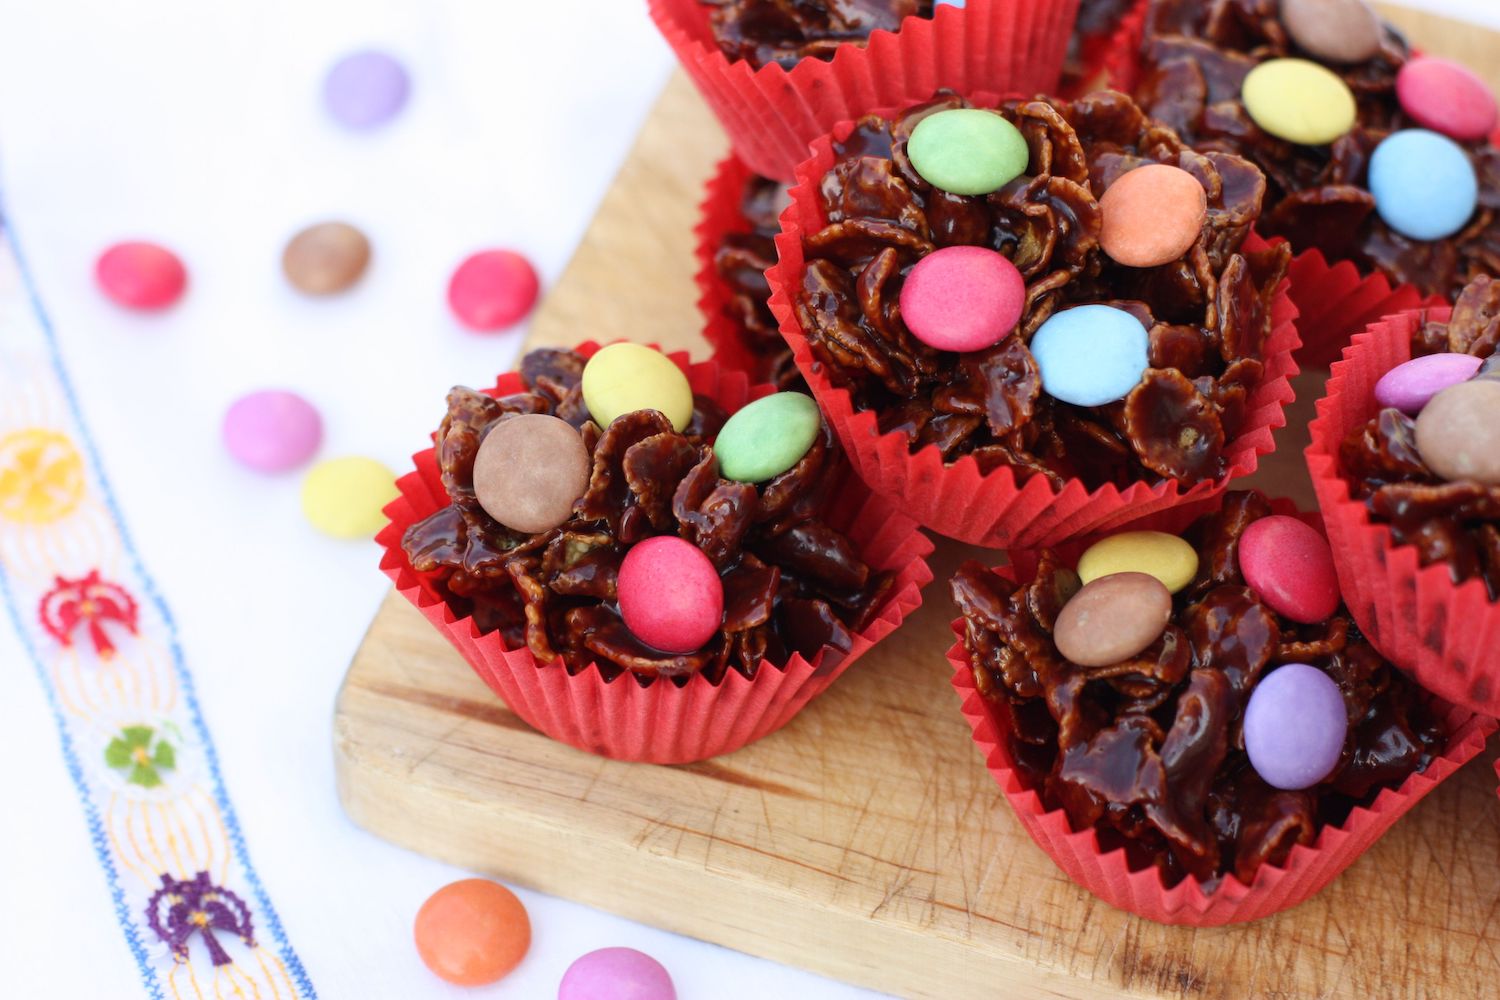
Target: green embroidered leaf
(144, 775)
(137, 736)
(117, 754)
(165, 757)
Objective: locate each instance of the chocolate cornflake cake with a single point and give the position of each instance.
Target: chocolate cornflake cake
(1455, 522)
(1208, 313)
(1195, 58)
(741, 261)
(1098, 20)
(791, 582)
(1151, 752)
(787, 31)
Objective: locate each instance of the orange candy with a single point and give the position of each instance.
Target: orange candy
(1152, 215)
(472, 932)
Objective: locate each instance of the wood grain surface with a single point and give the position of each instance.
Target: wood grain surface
(866, 840)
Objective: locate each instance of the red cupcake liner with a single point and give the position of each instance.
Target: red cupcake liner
(1113, 62)
(1334, 302)
(771, 114)
(720, 213)
(1108, 875)
(995, 510)
(661, 722)
(1446, 635)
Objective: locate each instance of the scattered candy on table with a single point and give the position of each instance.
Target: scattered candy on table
(1424, 184)
(616, 974)
(365, 89)
(625, 377)
(1458, 432)
(1289, 565)
(344, 497)
(493, 290)
(272, 430)
(1091, 355)
(967, 151)
(1447, 98)
(141, 275)
(963, 298)
(326, 258)
(1112, 619)
(1299, 101)
(472, 932)
(1295, 725)
(1340, 31)
(765, 438)
(1408, 387)
(1152, 215)
(670, 594)
(530, 470)
(1167, 557)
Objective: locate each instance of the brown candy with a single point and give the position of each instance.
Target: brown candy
(326, 258)
(1340, 31)
(1458, 432)
(1112, 619)
(529, 472)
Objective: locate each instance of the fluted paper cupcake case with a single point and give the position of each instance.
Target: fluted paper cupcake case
(995, 509)
(720, 213)
(659, 721)
(1446, 635)
(1274, 888)
(771, 114)
(1113, 62)
(1334, 302)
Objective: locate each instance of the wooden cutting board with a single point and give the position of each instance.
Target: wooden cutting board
(866, 840)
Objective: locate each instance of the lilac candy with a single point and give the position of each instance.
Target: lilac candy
(365, 89)
(1295, 726)
(272, 431)
(616, 974)
(1409, 386)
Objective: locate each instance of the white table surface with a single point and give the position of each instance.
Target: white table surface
(199, 124)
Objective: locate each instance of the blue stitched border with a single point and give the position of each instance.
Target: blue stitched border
(265, 912)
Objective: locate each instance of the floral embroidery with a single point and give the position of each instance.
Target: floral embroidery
(144, 752)
(90, 600)
(41, 476)
(178, 910)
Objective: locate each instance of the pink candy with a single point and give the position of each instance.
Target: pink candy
(962, 299)
(141, 275)
(1410, 386)
(1290, 567)
(1447, 98)
(492, 290)
(272, 431)
(670, 595)
(616, 974)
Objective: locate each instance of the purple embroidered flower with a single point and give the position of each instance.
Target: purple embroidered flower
(178, 910)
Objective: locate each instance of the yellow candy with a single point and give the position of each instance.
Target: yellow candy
(1166, 557)
(343, 497)
(623, 378)
(1299, 101)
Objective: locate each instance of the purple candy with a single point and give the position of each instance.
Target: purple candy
(616, 974)
(1295, 726)
(1409, 386)
(272, 431)
(365, 89)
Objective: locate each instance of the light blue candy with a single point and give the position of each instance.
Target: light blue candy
(951, 3)
(1090, 355)
(1424, 184)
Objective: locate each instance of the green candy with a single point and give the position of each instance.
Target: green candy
(767, 437)
(968, 151)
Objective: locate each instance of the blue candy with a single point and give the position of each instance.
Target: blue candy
(951, 3)
(1090, 355)
(1424, 184)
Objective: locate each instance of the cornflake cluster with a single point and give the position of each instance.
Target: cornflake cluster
(788, 31)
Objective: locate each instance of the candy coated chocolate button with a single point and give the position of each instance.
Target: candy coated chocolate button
(623, 378)
(1290, 567)
(670, 595)
(472, 932)
(967, 151)
(345, 497)
(365, 89)
(326, 258)
(616, 974)
(1299, 101)
(1090, 355)
(1409, 386)
(962, 298)
(529, 472)
(140, 275)
(1458, 433)
(767, 437)
(1340, 31)
(1155, 553)
(272, 431)
(492, 290)
(1152, 215)
(1447, 98)
(1295, 726)
(1424, 184)
(1112, 619)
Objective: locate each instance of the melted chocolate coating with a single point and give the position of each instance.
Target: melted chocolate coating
(787, 31)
